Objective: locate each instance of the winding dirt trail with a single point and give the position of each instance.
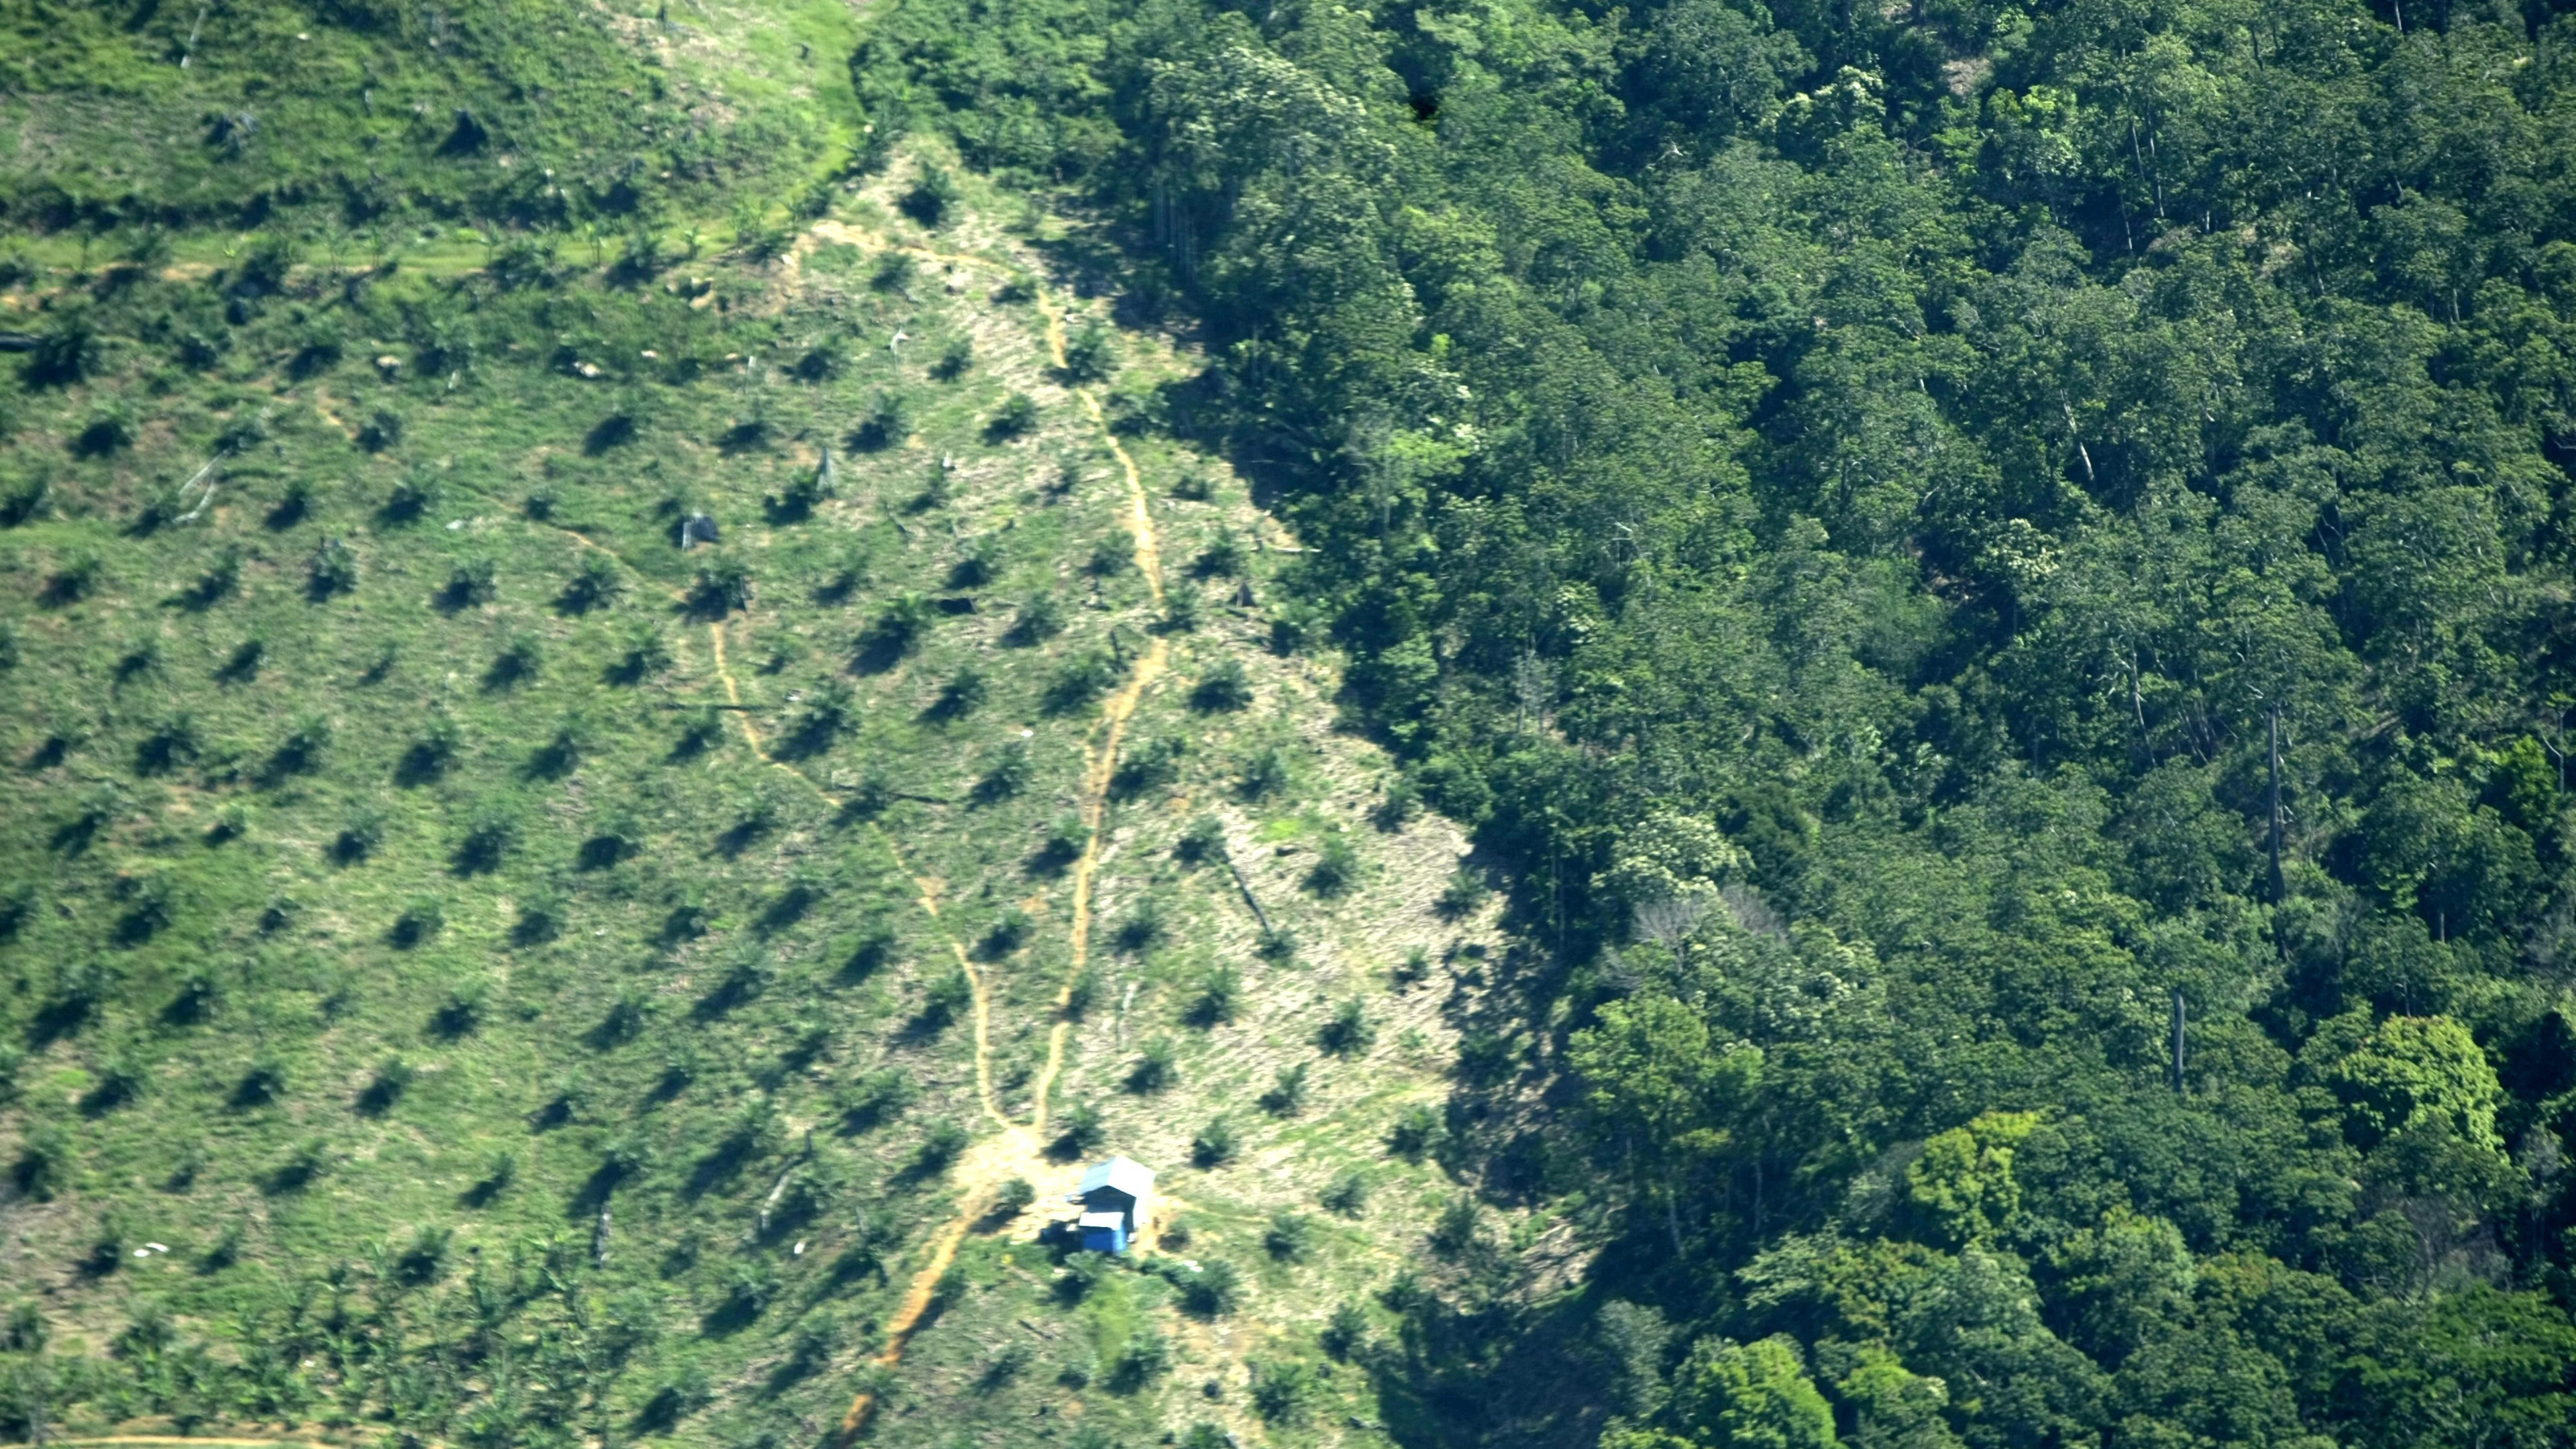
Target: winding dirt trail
(1101, 753)
(925, 889)
(1017, 1151)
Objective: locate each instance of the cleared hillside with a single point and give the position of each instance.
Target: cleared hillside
(484, 972)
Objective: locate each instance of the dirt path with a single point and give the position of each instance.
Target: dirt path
(1101, 757)
(1018, 1151)
(925, 889)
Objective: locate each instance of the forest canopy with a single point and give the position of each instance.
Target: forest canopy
(1997, 579)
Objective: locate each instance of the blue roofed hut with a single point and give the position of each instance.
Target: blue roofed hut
(1116, 1198)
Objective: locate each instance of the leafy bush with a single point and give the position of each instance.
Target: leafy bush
(1146, 1357)
(1081, 992)
(488, 836)
(332, 571)
(1346, 1195)
(1457, 1228)
(1156, 1067)
(1282, 1391)
(946, 998)
(887, 424)
(1080, 1133)
(424, 918)
(1112, 555)
(1007, 776)
(1336, 870)
(1348, 1033)
(1219, 997)
(1215, 1144)
(959, 698)
(939, 1148)
(1039, 619)
(931, 197)
(1287, 1094)
(1091, 355)
(520, 660)
(1017, 417)
(1290, 1237)
(1143, 929)
(1008, 933)
(1202, 843)
(1264, 774)
(895, 633)
(596, 584)
(877, 1098)
(1214, 1291)
(720, 588)
(1083, 678)
(1415, 1129)
(393, 1077)
(1221, 559)
(1155, 766)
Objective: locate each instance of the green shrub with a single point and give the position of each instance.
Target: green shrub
(932, 196)
(1282, 1391)
(1156, 1066)
(1287, 1094)
(1264, 774)
(1220, 996)
(1416, 1128)
(1017, 417)
(1214, 1291)
(1091, 355)
(1082, 679)
(939, 1148)
(1039, 619)
(1346, 1195)
(1080, 1133)
(1336, 870)
(1215, 1145)
(1348, 1033)
(1290, 1237)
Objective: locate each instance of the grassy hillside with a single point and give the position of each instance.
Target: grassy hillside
(479, 972)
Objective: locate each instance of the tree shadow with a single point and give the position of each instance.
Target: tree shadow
(613, 431)
(720, 1165)
(423, 763)
(76, 835)
(880, 649)
(790, 907)
(738, 988)
(686, 922)
(484, 1192)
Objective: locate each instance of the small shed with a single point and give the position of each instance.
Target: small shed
(1116, 1198)
(698, 529)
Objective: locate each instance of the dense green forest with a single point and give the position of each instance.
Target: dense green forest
(1841, 499)
(1988, 591)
